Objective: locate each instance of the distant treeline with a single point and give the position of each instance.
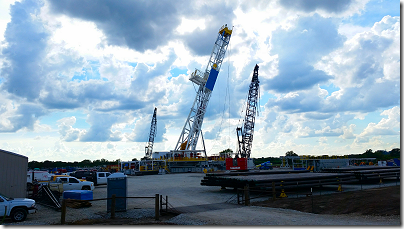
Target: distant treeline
(379, 155)
(60, 164)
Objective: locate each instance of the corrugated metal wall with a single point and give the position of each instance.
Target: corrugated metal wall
(13, 174)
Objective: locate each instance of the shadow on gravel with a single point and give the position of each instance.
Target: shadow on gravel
(127, 221)
(383, 201)
(206, 207)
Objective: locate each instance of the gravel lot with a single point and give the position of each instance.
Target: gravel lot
(199, 205)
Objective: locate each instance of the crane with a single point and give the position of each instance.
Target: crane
(245, 134)
(206, 81)
(152, 135)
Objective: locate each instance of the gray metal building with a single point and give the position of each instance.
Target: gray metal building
(13, 174)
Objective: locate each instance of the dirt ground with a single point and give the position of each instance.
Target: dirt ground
(383, 201)
(126, 221)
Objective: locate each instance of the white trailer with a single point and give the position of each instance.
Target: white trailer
(38, 176)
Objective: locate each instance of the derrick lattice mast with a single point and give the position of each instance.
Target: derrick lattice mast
(245, 134)
(152, 135)
(206, 81)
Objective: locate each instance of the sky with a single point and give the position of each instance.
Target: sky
(80, 79)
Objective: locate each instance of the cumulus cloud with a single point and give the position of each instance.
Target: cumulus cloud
(140, 25)
(141, 130)
(26, 44)
(321, 71)
(363, 69)
(143, 25)
(341, 8)
(66, 130)
(101, 125)
(298, 49)
(312, 5)
(25, 116)
(348, 132)
(389, 126)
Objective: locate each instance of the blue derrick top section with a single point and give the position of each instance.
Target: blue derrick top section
(212, 79)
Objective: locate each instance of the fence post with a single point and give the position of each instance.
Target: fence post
(246, 195)
(5, 213)
(166, 203)
(113, 202)
(273, 191)
(63, 214)
(312, 203)
(161, 202)
(157, 211)
(320, 186)
(238, 196)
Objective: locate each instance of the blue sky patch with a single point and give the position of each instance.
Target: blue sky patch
(330, 88)
(176, 72)
(374, 11)
(88, 73)
(51, 120)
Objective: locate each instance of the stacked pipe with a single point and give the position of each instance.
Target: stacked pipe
(288, 179)
(368, 173)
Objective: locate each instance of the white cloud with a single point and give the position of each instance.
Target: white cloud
(348, 132)
(189, 25)
(316, 87)
(389, 126)
(66, 130)
(365, 69)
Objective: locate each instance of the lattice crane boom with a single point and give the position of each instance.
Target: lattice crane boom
(245, 134)
(206, 81)
(152, 135)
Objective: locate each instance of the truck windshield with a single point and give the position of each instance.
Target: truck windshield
(6, 197)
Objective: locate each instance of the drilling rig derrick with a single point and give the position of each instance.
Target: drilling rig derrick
(186, 144)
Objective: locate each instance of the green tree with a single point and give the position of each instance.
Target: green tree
(86, 163)
(395, 153)
(291, 153)
(226, 153)
(47, 164)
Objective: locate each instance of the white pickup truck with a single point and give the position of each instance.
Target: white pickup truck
(70, 183)
(17, 209)
(101, 177)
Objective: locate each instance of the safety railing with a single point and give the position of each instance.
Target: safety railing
(159, 202)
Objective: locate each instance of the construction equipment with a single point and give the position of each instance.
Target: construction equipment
(186, 145)
(242, 160)
(152, 135)
(265, 166)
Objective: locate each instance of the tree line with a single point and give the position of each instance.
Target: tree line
(378, 154)
(61, 164)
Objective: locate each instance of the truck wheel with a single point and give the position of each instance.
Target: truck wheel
(19, 215)
(86, 188)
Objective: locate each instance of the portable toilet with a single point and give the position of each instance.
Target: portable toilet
(117, 184)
